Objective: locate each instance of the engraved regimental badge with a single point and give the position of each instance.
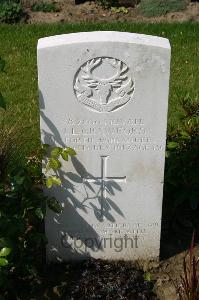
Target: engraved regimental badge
(104, 84)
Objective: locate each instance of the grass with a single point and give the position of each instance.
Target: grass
(19, 84)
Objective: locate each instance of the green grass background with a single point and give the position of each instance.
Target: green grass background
(19, 84)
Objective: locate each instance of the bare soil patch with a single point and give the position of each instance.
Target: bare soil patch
(98, 279)
(93, 13)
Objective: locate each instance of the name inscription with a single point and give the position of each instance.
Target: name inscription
(109, 135)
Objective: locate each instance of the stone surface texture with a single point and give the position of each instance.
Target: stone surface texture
(106, 94)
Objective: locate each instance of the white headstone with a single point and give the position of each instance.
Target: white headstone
(105, 94)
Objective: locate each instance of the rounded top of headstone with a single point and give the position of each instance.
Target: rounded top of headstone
(103, 36)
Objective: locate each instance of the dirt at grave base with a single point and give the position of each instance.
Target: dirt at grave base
(167, 274)
(91, 12)
(98, 279)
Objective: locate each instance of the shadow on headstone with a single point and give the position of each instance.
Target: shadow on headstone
(74, 232)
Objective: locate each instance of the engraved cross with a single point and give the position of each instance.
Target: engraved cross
(103, 179)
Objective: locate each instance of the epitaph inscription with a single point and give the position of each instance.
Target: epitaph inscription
(104, 84)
